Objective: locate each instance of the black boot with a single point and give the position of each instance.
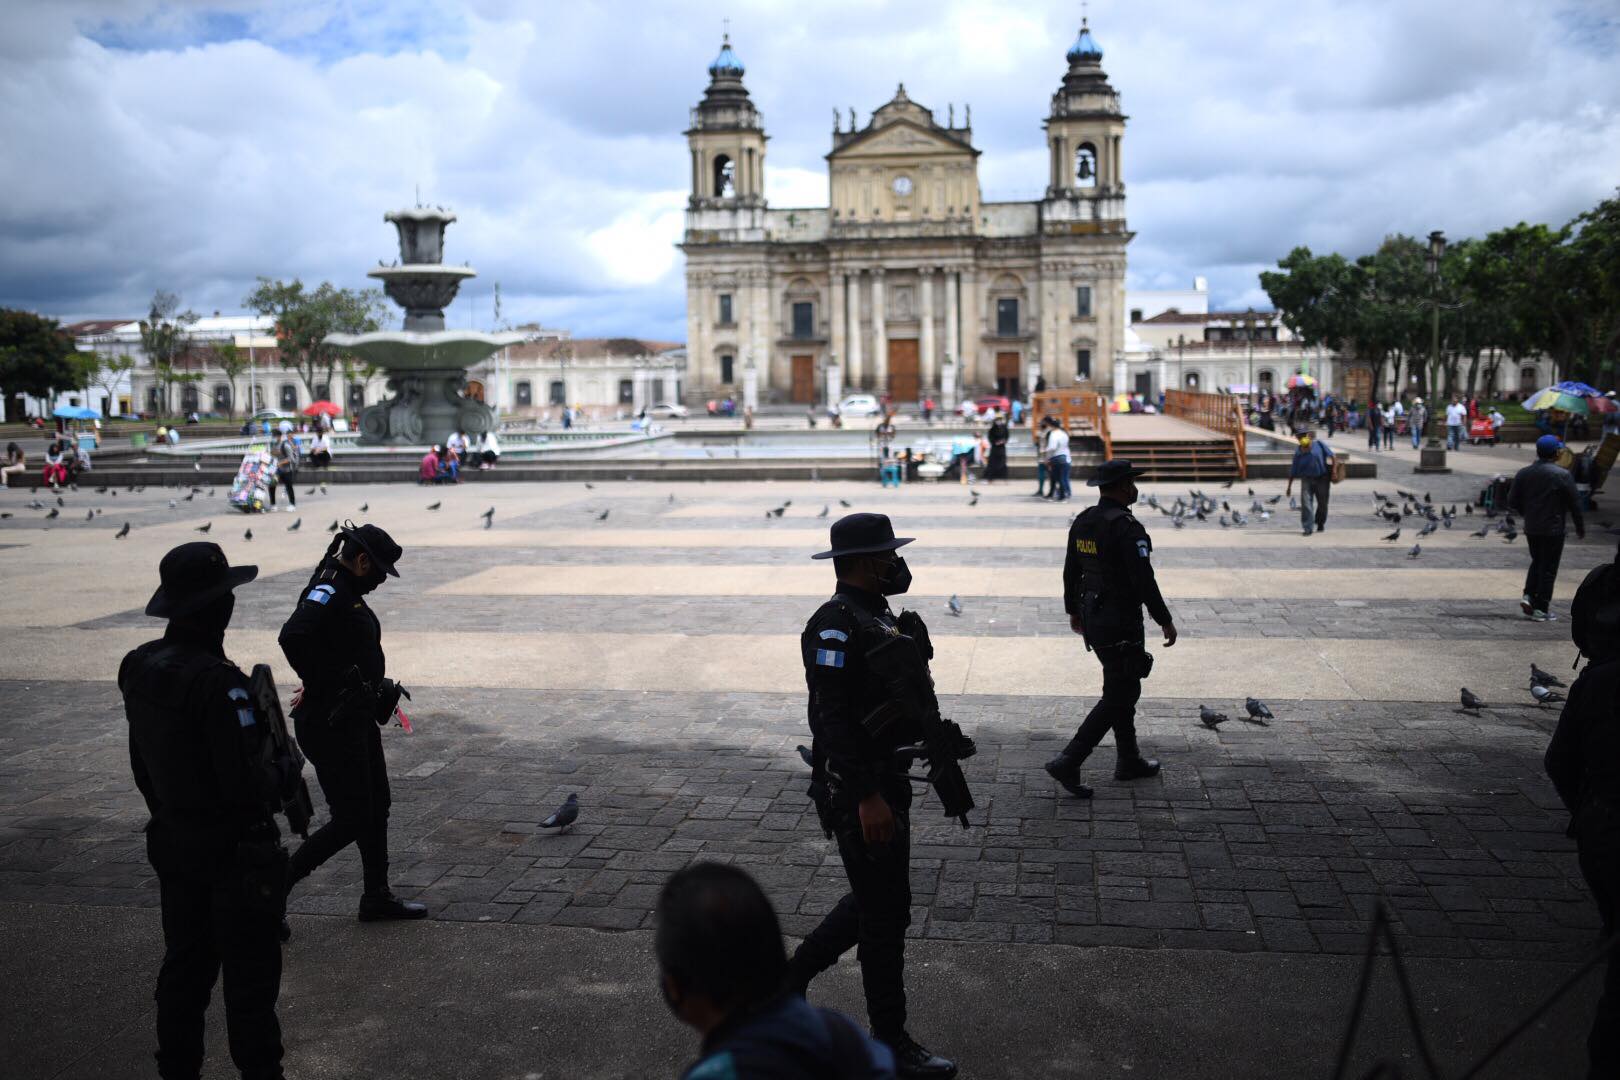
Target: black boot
(911, 1058)
(1065, 769)
(384, 905)
(1138, 768)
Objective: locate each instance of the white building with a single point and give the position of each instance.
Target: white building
(602, 376)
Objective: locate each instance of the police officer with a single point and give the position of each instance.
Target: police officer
(868, 809)
(1583, 761)
(205, 764)
(1107, 578)
(334, 642)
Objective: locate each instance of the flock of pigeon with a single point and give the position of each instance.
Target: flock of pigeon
(1544, 687)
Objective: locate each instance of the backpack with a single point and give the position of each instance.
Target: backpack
(1595, 614)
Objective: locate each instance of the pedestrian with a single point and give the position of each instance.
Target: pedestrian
(1542, 494)
(320, 451)
(489, 451)
(866, 799)
(55, 472)
(1313, 468)
(1107, 580)
(1057, 461)
(334, 642)
(1497, 420)
(1042, 472)
(1456, 423)
(1581, 762)
(963, 447)
(721, 965)
(1375, 425)
(1416, 418)
(16, 463)
(996, 467)
(456, 443)
(207, 767)
(285, 455)
(928, 410)
(1392, 413)
(427, 470)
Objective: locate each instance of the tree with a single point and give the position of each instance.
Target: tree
(36, 358)
(166, 339)
(304, 318)
(228, 356)
(110, 372)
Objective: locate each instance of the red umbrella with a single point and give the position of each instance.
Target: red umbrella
(322, 408)
(1601, 404)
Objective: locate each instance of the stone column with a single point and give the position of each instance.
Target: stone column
(969, 365)
(953, 345)
(857, 371)
(750, 385)
(835, 385)
(880, 335)
(925, 336)
(760, 333)
(835, 316)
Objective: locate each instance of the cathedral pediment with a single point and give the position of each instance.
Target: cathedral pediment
(900, 137)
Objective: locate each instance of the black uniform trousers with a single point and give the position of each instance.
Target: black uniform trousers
(1598, 842)
(208, 926)
(1545, 554)
(872, 917)
(1116, 709)
(348, 759)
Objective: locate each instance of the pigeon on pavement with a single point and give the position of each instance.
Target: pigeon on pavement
(204, 528)
(248, 535)
(955, 604)
(565, 815)
(121, 533)
(294, 526)
(1545, 695)
(364, 507)
(1257, 710)
(603, 515)
(1210, 717)
(1396, 535)
(1543, 678)
(845, 503)
(55, 513)
(89, 515)
(1416, 550)
(332, 528)
(825, 510)
(805, 755)
(589, 486)
(435, 506)
(1470, 701)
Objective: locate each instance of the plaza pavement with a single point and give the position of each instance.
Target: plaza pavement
(1200, 924)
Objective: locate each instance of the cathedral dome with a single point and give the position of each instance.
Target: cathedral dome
(726, 63)
(1085, 46)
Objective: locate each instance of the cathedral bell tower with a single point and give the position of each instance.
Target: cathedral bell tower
(1084, 133)
(727, 140)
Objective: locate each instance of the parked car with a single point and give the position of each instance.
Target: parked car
(666, 410)
(860, 405)
(999, 404)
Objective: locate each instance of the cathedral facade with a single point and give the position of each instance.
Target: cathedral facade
(907, 283)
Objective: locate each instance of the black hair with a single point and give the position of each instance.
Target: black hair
(12, 447)
(718, 936)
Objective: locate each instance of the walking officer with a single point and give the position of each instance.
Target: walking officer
(208, 768)
(862, 793)
(1107, 579)
(334, 642)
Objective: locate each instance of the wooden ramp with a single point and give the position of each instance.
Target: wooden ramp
(1173, 449)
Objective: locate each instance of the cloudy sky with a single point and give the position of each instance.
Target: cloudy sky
(193, 146)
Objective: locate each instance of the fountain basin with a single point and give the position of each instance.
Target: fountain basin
(423, 350)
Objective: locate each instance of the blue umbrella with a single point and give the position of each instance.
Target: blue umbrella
(75, 412)
(1579, 389)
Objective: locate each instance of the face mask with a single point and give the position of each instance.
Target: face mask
(895, 578)
(373, 579)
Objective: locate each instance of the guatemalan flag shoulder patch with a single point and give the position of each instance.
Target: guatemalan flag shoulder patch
(321, 594)
(833, 658)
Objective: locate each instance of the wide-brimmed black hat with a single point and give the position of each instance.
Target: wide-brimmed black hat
(194, 576)
(863, 534)
(1113, 471)
(376, 543)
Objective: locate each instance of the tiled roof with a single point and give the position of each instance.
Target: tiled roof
(1213, 316)
(582, 347)
(95, 327)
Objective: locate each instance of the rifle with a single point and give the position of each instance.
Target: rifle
(291, 791)
(912, 712)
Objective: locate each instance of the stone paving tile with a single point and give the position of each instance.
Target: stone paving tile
(1276, 840)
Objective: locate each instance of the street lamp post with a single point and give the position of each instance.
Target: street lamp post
(1248, 337)
(1181, 361)
(1432, 458)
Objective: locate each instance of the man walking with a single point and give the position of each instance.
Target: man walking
(1057, 461)
(334, 641)
(1313, 468)
(1542, 493)
(206, 765)
(1416, 417)
(1107, 579)
(868, 800)
(1456, 423)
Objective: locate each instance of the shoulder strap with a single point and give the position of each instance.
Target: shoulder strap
(855, 611)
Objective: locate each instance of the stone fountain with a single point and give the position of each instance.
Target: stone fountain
(426, 364)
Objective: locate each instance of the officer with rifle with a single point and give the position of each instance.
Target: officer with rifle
(1107, 579)
(872, 714)
(213, 770)
(334, 641)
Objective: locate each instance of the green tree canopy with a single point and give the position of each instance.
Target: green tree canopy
(304, 317)
(36, 358)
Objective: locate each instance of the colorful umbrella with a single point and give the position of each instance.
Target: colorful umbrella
(1296, 381)
(1579, 389)
(322, 408)
(75, 412)
(1554, 398)
(1600, 404)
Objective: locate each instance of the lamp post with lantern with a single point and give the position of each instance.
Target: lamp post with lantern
(1432, 458)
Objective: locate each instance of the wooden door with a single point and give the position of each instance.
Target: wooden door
(1007, 374)
(1358, 384)
(804, 380)
(904, 383)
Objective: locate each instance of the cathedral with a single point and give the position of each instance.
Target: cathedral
(907, 283)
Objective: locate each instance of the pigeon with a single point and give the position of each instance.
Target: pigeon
(248, 535)
(565, 816)
(778, 512)
(1239, 519)
(1224, 523)
(1251, 491)
(55, 513)
(435, 506)
(1545, 695)
(1469, 701)
(311, 491)
(121, 533)
(1543, 678)
(603, 515)
(955, 604)
(101, 490)
(1406, 494)
(89, 515)
(1227, 484)
(1483, 530)
(1293, 503)
(825, 510)
(365, 507)
(786, 503)
(197, 465)
(294, 526)
(1427, 529)
(672, 498)
(1274, 500)
(59, 501)
(1469, 508)
(845, 503)
(973, 501)
(589, 486)
(1257, 711)
(173, 505)
(805, 755)
(1512, 535)
(1210, 717)
(1394, 536)
(332, 528)
(1417, 549)
(188, 498)
(204, 528)
(488, 516)
(1426, 498)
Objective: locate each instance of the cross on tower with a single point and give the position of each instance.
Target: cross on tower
(725, 29)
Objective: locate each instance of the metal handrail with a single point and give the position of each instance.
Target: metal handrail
(1075, 403)
(1219, 413)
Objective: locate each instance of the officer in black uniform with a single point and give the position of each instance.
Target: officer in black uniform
(870, 797)
(334, 642)
(1107, 578)
(206, 765)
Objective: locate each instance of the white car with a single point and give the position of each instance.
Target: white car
(860, 405)
(666, 410)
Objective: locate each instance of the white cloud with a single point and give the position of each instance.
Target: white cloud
(194, 145)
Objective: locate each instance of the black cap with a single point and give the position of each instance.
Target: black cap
(863, 534)
(194, 576)
(376, 543)
(1113, 471)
